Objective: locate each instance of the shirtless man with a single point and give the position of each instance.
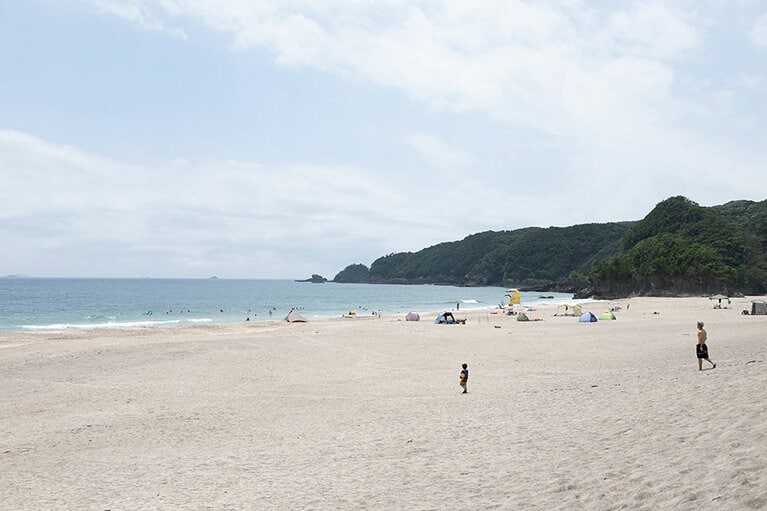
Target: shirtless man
(701, 350)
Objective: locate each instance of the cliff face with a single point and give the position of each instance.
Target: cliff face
(653, 286)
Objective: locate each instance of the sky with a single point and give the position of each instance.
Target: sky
(277, 139)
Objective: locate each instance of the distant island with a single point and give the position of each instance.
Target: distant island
(679, 248)
(314, 279)
(19, 276)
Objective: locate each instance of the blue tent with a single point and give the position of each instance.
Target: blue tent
(587, 317)
(445, 318)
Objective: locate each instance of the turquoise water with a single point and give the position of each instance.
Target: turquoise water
(30, 304)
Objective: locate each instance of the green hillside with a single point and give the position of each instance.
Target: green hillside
(680, 247)
(683, 248)
(530, 257)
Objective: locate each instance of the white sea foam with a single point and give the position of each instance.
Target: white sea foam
(113, 324)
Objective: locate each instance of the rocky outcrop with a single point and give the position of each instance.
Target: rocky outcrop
(315, 279)
(654, 286)
(353, 274)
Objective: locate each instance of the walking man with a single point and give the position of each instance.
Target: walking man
(701, 349)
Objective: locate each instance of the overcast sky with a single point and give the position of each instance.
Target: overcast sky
(276, 139)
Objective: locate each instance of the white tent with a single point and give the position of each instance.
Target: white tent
(294, 317)
(569, 310)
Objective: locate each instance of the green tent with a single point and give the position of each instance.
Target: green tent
(606, 316)
(522, 317)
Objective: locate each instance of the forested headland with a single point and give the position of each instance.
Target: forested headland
(679, 248)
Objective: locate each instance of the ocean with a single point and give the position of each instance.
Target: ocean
(40, 304)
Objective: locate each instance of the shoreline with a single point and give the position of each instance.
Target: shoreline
(542, 310)
(83, 304)
(203, 321)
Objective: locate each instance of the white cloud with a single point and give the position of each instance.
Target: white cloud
(758, 32)
(750, 80)
(651, 30)
(438, 151)
(551, 65)
(136, 11)
(255, 220)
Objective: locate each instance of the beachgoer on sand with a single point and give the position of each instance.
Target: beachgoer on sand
(701, 349)
(464, 377)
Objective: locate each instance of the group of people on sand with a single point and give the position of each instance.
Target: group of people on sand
(701, 351)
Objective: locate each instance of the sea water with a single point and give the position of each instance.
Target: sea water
(39, 304)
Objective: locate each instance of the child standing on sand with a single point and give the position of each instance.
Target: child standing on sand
(701, 350)
(464, 377)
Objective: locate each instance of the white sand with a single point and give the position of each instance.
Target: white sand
(367, 414)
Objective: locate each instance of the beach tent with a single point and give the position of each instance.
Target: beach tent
(294, 317)
(587, 317)
(569, 310)
(412, 316)
(445, 318)
(758, 308)
(522, 317)
(606, 316)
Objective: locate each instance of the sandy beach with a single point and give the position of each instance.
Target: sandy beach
(367, 413)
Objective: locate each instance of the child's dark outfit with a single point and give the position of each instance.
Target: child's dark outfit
(464, 377)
